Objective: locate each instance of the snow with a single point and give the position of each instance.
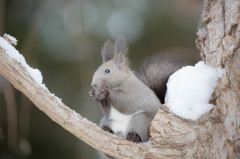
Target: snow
(12, 39)
(13, 53)
(147, 142)
(76, 115)
(5, 43)
(189, 90)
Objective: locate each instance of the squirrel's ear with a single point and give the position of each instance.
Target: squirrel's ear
(121, 46)
(120, 50)
(107, 51)
(120, 61)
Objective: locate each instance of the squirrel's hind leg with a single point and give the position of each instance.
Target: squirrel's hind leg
(138, 128)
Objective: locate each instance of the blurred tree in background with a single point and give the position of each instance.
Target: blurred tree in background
(63, 38)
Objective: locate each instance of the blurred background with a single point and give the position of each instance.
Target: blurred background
(63, 38)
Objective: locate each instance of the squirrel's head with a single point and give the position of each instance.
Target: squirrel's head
(114, 70)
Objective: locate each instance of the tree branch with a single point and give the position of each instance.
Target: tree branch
(72, 121)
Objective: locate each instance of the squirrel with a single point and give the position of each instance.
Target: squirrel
(130, 101)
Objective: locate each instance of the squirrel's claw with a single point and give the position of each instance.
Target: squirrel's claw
(108, 129)
(92, 94)
(134, 137)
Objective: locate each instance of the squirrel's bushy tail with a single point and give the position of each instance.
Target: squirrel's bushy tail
(155, 72)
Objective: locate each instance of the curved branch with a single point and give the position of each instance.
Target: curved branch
(72, 121)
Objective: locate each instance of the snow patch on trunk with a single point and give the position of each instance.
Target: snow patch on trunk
(190, 89)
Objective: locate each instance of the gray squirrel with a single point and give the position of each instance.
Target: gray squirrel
(129, 102)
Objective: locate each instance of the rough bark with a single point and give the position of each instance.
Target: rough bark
(219, 43)
(215, 135)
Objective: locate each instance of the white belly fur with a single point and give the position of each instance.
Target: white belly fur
(120, 121)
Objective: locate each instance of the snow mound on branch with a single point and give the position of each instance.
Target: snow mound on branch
(10, 38)
(6, 43)
(189, 90)
(13, 53)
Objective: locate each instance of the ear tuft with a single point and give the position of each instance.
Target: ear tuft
(121, 46)
(107, 51)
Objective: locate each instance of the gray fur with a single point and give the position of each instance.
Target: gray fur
(105, 122)
(140, 124)
(120, 61)
(120, 51)
(107, 51)
(100, 95)
(105, 107)
(155, 72)
(132, 96)
(121, 46)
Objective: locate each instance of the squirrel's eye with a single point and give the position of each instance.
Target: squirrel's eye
(107, 71)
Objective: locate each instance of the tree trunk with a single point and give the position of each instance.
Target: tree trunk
(215, 135)
(219, 43)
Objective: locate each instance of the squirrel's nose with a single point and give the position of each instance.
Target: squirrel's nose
(94, 85)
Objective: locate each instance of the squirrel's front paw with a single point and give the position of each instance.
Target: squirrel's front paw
(108, 129)
(92, 94)
(100, 93)
(134, 137)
